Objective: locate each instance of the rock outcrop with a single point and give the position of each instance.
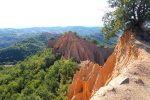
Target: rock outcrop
(83, 82)
(124, 76)
(72, 46)
(90, 77)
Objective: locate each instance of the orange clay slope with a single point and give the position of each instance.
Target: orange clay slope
(92, 77)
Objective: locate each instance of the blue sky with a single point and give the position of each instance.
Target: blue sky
(37, 13)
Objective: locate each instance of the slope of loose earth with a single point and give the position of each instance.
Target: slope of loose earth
(124, 76)
(130, 79)
(72, 46)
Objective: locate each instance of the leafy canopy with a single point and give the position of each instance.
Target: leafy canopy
(44, 76)
(127, 14)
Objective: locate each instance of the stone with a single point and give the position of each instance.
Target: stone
(72, 46)
(139, 81)
(123, 80)
(95, 77)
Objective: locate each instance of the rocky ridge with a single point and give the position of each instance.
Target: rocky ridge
(124, 76)
(72, 46)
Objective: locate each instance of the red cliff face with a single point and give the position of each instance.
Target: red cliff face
(130, 76)
(71, 46)
(83, 82)
(91, 76)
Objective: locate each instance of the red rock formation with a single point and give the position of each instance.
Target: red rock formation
(92, 76)
(83, 82)
(71, 46)
(132, 65)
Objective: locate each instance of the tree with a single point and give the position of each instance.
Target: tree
(94, 41)
(127, 14)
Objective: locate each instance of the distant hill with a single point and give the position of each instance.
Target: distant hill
(25, 48)
(10, 36)
(78, 29)
(100, 40)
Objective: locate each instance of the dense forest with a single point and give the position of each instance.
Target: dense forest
(25, 48)
(42, 76)
(21, 50)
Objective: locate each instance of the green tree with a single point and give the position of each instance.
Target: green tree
(94, 41)
(127, 14)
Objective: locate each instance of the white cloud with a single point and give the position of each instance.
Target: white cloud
(28, 13)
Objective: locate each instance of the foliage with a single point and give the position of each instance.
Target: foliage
(127, 14)
(100, 40)
(94, 41)
(21, 50)
(9, 37)
(44, 76)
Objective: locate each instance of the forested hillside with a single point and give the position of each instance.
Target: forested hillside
(42, 76)
(21, 50)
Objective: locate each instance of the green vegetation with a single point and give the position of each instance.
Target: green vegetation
(44, 76)
(132, 13)
(10, 36)
(94, 41)
(99, 40)
(21, 50)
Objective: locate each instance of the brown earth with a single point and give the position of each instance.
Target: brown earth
(124, 76)
(72, 46)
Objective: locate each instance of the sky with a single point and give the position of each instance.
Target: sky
(47, 13)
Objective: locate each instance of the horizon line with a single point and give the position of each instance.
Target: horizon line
(50, 26)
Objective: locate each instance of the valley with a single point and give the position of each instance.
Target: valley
(45, 63)
(75, 50)
(33, 40)
(67, 66)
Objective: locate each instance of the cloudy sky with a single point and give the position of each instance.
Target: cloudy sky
(36, 13)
